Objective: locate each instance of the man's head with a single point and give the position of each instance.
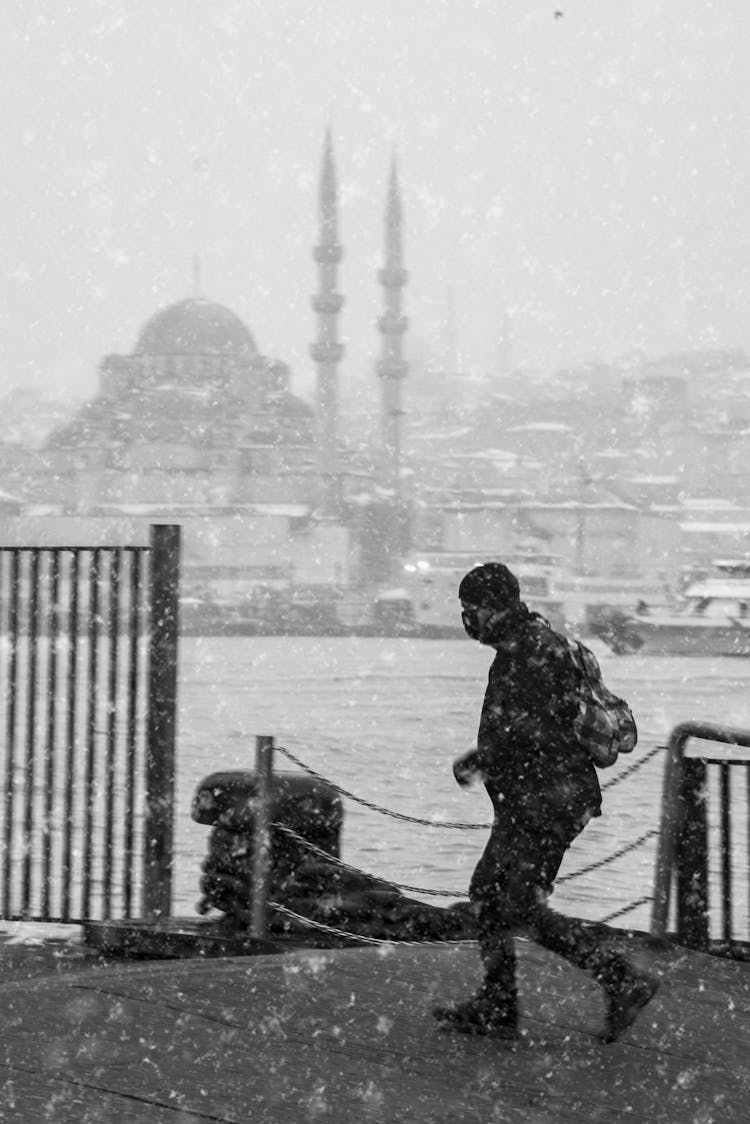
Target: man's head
(487, 594)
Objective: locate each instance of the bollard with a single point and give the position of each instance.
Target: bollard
(261, 838)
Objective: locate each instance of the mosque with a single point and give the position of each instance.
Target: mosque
(197, 427)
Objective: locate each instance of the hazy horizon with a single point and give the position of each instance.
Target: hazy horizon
(584, 171)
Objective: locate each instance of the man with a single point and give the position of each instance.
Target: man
(544, 789)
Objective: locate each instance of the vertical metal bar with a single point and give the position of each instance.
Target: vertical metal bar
(725, 850)
(90, 782)
(111, 760)
(14, 579)
(747, 821)
(261, 836)
(691, 852)
(53, 625)
(161, 721)
(134, 623)
(74, 577)
(31, 701)
(670, 816)
(5, 669)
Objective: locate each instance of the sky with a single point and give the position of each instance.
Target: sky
(579, 168)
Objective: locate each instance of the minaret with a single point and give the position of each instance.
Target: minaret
(392, 324)
(327, 351)
(506, 344)
(197, 278)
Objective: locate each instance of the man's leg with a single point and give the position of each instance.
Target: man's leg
(627, 990)
(494, 1007)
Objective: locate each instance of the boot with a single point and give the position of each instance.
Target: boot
(490, 1011)
(627, 993)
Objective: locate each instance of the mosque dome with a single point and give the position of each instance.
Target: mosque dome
(196, 327)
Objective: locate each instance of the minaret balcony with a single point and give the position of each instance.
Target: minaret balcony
(327, 352)
(392, 369)
(393, 277)
(327, 304)
(392, 325)
(327, 254)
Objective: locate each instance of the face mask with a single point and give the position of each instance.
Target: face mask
(470, 618)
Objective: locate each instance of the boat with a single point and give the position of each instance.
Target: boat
(431, 580)
(711, 618)
(585, 596)
(269, 613)
(421, 604)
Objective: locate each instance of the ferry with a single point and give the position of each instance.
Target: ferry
(712, 618)
(431, 580)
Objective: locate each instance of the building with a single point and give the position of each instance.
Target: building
(197, 426)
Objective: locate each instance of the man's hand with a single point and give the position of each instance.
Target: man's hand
(466, 769)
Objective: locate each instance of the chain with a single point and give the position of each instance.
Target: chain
(355, 870)
(324, 928)
(610, 858)
(455, 893)
(357, 936)
(298, 917)
(624, 910)
(441, 823)
(379, 807)
(633, 768)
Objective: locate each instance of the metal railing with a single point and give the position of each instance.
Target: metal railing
(88, 657)
(703, 845)
(683, 854)
(257, 915)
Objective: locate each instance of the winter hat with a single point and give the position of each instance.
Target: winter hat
(491, 584)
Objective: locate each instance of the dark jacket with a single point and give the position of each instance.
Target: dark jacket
(525, 746)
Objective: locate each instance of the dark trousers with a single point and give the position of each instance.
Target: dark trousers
(509, 890)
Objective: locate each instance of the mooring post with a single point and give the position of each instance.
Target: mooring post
(261, 836)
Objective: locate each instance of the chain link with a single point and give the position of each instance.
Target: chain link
(633, 768)
(379, 807)
(360, 937)
(455, 893)
(308, 921)
(466, 826)
(625, 909)
(624, 775)
(610, 858)
(355, 870)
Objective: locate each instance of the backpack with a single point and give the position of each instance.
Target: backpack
(604, 725)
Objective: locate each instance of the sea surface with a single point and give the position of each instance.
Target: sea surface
(383, 719)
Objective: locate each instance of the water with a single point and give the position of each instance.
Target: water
(385, 718)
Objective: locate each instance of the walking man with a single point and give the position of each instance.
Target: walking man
(544, 789)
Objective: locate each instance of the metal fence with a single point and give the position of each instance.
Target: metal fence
(704, 844)
(88, 657)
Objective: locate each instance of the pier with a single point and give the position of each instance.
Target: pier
(291, 1031)
(346, 1034)
(310, 1004)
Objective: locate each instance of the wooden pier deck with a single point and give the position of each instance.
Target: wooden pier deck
(346, 1035)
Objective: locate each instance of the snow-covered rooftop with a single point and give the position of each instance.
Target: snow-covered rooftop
(716, 527)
